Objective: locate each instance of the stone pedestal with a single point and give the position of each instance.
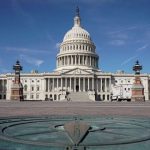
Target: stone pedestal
(17, 92)
(137, 90)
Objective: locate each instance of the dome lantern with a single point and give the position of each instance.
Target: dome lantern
(77, 19)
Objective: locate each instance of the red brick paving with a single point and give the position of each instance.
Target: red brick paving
(74, 108)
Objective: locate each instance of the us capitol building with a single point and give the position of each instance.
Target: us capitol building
(77, 76)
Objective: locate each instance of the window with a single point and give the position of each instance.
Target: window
(37, 96)
(25, 96)
(37, 88)
(32, 96)
(25, 87)
(55, 97)
(107, 97)
(32, 80)
(103, 97)
(32, 88)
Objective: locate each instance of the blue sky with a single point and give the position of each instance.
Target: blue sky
(31, 30)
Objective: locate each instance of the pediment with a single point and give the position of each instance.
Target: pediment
(78, 71)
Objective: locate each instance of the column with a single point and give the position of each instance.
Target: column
(75, 59)
(83, 60)
(53, 85)
(83, 84)
(71, 60)
(79, 84)
(101, 85)
(88, 83)
(69, 63)
(92, 84)
(105, 84)
(3, 85)
(57, 84)
(97, 82)
(79, 60)
(46, 85)
(75, 84)
(70, 84)
(109, 85)
(59, 61)
(64, 60)
(61, 84)
(90, 61)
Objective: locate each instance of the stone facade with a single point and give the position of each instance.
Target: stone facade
(77, 74)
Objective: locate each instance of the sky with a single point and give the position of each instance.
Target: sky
(31, 31)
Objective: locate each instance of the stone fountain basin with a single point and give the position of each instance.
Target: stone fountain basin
(49, 133)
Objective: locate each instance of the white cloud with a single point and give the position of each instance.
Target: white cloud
(117, 42)
(143, 47)
(128, 60)
(27, 50)
(17, 6)
(122, 29)
(31, 60)
(57, 45)
(118, 35)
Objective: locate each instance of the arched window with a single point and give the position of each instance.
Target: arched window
(25, 87)
(37, 88)
(55, 97)
(80, 47)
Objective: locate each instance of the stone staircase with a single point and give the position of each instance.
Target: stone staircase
(78, 96)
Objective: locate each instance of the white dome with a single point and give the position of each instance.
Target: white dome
(77, 49)
(77, 33)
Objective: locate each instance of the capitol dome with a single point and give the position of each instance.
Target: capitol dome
(77, 33)
(77, 49)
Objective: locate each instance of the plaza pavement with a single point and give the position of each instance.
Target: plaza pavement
(26, 108)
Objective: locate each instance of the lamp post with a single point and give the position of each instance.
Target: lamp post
(137, 87)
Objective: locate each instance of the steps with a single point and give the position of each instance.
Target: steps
(78, 97)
